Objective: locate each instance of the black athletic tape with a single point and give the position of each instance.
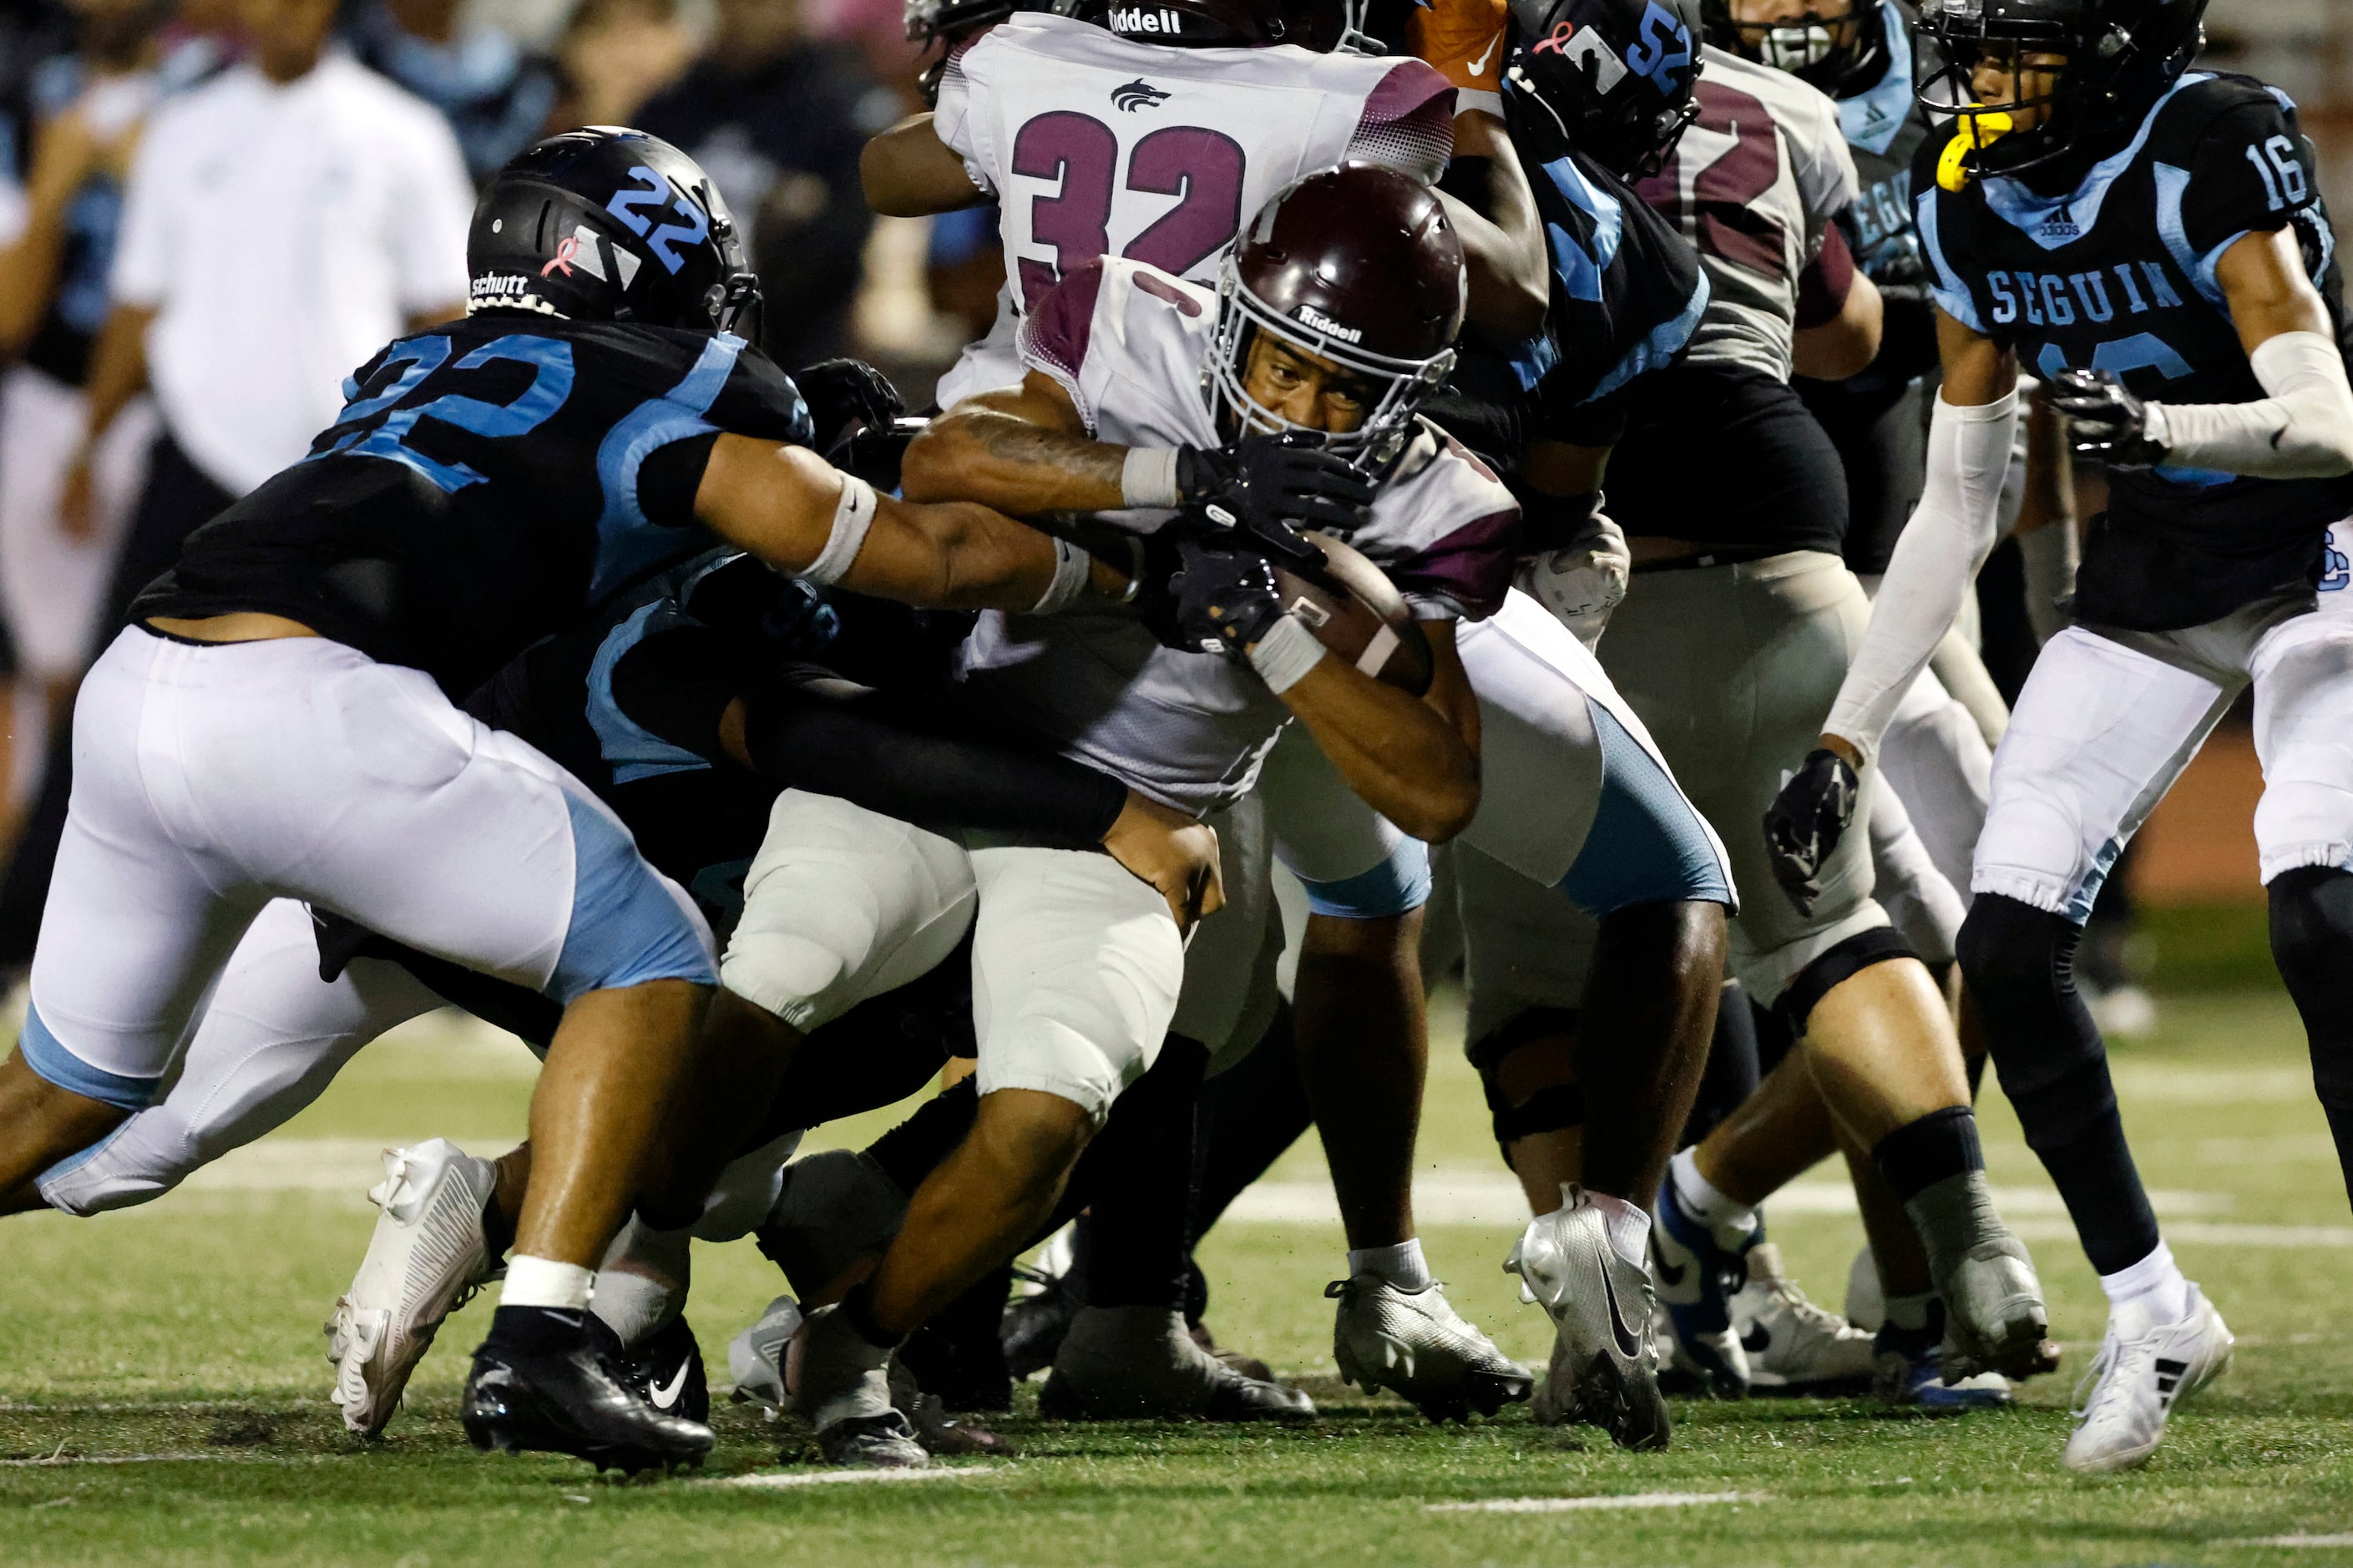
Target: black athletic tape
(858, 1311)
(1938, 1146)
(1834, 968)
(1552, 1109)
(1521, 1029)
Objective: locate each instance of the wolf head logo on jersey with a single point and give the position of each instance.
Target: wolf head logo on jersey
(1139, 94)
(1612, 79)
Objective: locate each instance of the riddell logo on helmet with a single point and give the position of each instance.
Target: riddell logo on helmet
(1309, 316)
(1126, 19)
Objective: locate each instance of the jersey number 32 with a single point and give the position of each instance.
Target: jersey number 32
(1202, 168)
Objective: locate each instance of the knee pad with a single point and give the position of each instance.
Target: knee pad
(1552, 1108)
(2020, 963)
(1833, 967)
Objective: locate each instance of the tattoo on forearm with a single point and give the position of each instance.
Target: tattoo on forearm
(1017, 441)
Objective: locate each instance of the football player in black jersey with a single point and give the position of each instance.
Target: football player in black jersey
(2149, 240)
(277, 721)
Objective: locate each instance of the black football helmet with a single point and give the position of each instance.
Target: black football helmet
(609, 225)
(1357, 265)
(1327, 26)
(2122, 56)
(1615, 78)
(948, 23)
(1833, 44)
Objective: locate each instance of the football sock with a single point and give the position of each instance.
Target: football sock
(543, 1307)
(2312, 942)
(633, 1305)
(2150, 1292)
(1727, 1218)
(1401, 1264)
(1629, 1225)
(1137, 1232)
(2019, 961)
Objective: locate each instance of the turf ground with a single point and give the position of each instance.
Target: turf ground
(161, 1393)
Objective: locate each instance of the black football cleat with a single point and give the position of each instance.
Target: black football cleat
(665, 1370)
(572, 1403)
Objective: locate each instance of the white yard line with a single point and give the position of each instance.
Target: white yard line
(1579, 1504)
(769, 1479)
(2290, 1541)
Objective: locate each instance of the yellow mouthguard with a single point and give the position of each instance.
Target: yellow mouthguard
(1973, 132)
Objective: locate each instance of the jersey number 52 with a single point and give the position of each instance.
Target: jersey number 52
(1203, 168)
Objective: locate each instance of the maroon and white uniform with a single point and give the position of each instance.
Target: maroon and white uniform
(1127, 342)
(1096, 145)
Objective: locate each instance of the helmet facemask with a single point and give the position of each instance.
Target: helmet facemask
(1388, 425)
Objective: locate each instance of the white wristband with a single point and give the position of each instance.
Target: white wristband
(1285, 654)
(1147, 477)
(852, 516)
(1072, 568)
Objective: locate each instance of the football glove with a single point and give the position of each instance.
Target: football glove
(1204, 593)
(2104, 420)
(1584, 580)
(1273, 484)
(845, 397)
(1805, 822)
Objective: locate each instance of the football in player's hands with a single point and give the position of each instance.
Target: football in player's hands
(846, 396)
(1205, 589)
(2105, 421)
(1276, 481)
(1805, 822)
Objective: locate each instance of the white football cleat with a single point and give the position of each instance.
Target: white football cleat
(1604, 1368)
(2136, 1383)
(1416, 1344)
(1792, 1345)
(427, 1258)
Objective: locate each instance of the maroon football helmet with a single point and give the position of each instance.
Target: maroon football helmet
(1359, 265)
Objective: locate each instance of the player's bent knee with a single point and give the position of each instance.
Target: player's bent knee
(2312, 935)
(2019, 964)
(1527, 1069)
(139, 1162)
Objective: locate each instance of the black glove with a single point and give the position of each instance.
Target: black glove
(1203, 591)
(844, 397)
(1806, 821)
(1273, 484)
(2104, 420)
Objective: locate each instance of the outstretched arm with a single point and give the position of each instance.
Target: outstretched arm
(792, 509)
(1023, 450)
(1494, 211)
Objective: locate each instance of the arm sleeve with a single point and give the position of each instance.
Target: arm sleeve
(434, 210)
(1408, 123)
(142, 248)
(879, 752)
(1826, 182)
(1464, 40)
(1936, 562)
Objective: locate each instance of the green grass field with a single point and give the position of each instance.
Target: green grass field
(162, 1394)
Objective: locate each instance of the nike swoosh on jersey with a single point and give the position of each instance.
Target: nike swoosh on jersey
(1479, 66)
(1629, 1345)
(664, 1398)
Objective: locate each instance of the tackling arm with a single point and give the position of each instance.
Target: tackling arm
(908, 172)
(791, 508)
(1494, 211)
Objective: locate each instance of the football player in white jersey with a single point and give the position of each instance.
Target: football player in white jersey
(1151, 135)
(1075, 976)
